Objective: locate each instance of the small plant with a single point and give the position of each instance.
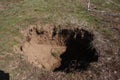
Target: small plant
(55, 54)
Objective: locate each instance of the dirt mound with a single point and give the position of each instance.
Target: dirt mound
(59, 49)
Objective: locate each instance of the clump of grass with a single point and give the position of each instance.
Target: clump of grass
(55, 54)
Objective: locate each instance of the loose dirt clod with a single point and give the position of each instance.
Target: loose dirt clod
(59, 49)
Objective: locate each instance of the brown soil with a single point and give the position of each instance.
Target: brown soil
(59, 49)
(39, 46)
(2, 7)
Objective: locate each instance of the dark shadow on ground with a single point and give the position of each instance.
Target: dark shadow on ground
(80, 51)
(4, 76)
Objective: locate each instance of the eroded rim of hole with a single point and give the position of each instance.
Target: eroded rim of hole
(80, 51)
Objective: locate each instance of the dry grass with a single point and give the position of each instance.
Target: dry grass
(18, 14)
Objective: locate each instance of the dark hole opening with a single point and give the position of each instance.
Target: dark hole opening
(80, 51)
(4, 76)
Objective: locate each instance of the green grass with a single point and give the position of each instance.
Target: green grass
(20, 15)
(49, 11)
(106, 5)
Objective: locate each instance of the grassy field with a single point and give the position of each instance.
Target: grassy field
(19, 15)
(16, 15)
(107, 5)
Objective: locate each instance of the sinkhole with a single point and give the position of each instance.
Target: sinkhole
(79, 52)
(59, 49)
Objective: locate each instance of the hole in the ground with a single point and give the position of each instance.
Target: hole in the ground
(4, 76)
(79, 52)
(59, 49)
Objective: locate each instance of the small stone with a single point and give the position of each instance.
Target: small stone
(90, 75)
(109, 59)
(115, 53)
(115, 72)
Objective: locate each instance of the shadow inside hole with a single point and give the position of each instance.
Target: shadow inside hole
(80, 51)
(4, 76)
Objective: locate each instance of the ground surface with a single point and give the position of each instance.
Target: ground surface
(40, 48)
(19, 15)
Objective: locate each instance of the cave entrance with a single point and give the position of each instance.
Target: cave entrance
(80, 51)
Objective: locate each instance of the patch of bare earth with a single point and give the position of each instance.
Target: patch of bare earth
(59, 49)
(39, 47)
(2, 7)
